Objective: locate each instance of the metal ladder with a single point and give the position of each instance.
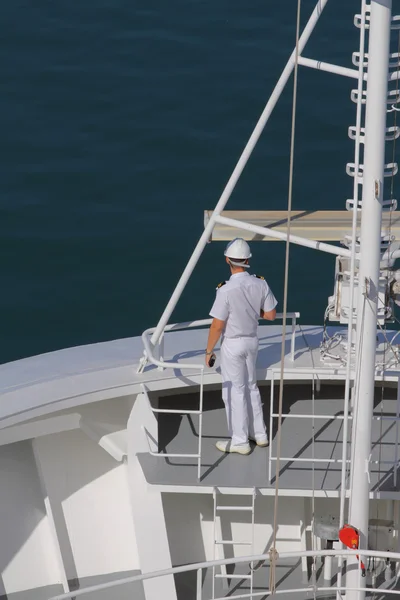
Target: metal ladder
(219, 542)
(357, 132)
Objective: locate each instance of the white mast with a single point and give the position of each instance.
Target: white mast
(372, 197)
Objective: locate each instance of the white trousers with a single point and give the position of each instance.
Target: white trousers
(240, 393)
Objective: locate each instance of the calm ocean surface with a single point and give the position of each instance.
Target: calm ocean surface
(121, 123)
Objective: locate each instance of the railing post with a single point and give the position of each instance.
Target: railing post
(199, 584)
(200, 425)
(396, 447)
(271, 410)
(161, 351)
(293, 341)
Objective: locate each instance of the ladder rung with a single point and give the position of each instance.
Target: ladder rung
(233, 542)
(232, 576)
(248, 508)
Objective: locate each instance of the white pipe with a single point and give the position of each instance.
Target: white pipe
(199, 323)
(396, 448)
(279, 235)
(271, 421)
(229, 561)
(200, 425)
(294, 416)
(311, 460)
(328, 67)
(199, 585)
(373, 181)
(230, 186)
(388, 258)
(352, 280)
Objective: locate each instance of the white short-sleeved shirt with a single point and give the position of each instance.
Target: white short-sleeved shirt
(239, 302)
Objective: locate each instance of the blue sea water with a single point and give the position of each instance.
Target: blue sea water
(121, 123)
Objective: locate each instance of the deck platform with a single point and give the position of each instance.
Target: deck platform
(179, 434)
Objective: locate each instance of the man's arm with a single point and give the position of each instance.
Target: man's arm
(268, 315)
(216, 328)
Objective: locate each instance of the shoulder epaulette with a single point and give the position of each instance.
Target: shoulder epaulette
(220, 285)
(259, 276)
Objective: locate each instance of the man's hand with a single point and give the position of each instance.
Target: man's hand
(216, 328)
(210, 359)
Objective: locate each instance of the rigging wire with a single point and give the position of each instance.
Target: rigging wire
(273, 552)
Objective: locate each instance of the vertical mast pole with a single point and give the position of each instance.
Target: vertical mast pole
(371, 217)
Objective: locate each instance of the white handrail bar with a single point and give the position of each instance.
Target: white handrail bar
(345, 417)
(294, 416)
(273, 415)
(293, 316)
(310, 589)
(163, 363)
(182, 412)
(330, 68)
(394, 556)
(204, 322)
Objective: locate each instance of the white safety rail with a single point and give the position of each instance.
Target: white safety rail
(159, 361)
(219, 542)
(345, 417)
(198, 412)
(312, 588)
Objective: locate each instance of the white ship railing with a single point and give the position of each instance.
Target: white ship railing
(159, 362)
(345, 417)
(199, 567)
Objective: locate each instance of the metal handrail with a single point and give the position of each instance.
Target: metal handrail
(198, 567)
(181, 412)
(175, 365)
(345, 418)
(161, 363)
(292, 316)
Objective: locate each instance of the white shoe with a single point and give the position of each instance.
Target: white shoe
(262, 442)
(226, 446)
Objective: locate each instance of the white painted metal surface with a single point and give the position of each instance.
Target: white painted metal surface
(373, 186)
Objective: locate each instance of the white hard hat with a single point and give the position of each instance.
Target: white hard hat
(238, 249)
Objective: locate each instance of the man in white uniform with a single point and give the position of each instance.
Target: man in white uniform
(238, 305)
